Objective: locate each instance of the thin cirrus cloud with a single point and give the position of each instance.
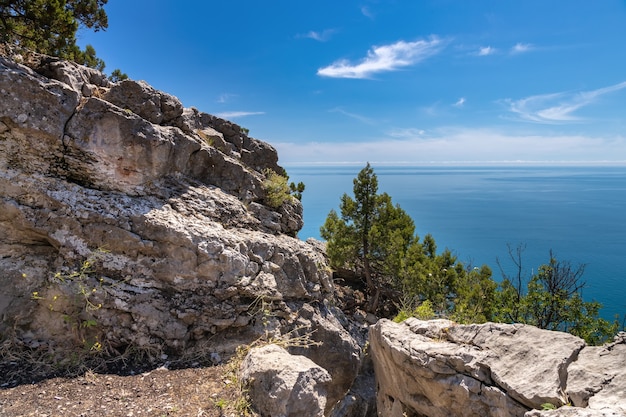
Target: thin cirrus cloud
(557, 107)
(238, 114)
(226, 97)
(384, 58)
(406, 133)
(322, 36)
(355, 116)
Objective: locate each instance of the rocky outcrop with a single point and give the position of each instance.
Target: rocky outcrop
(131, 226)
(281, 384)
(129, 223)
(597, 380)
(568, 411)
(438, 368)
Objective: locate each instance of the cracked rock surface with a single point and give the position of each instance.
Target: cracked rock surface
(167, 206)
(438, 368)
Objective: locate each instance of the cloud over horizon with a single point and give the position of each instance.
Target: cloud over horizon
(384, 58)
(459, 145)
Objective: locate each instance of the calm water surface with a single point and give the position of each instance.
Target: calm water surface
(578, 212)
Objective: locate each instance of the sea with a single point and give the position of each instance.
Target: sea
(479, 212)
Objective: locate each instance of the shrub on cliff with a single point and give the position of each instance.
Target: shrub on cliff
(277, 189)
(552, 299)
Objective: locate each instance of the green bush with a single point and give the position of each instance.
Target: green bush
(277, 190)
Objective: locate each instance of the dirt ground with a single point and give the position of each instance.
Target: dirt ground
(196, 391)
(205, 392)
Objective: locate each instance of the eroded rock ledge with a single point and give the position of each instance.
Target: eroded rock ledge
(438, 368)
(167, 206)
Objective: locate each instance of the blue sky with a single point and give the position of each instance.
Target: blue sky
(390, 81)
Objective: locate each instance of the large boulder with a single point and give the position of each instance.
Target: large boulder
(333, 347)
(439, 368)
(568, 411)
(281, 384)
(597, 380)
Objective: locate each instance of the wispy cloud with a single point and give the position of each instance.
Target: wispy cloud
(461, 145)
(322, 36)
(367, 12)
(238, 114)
(406, 133)
(557, 107)
(486, 50)
(360, 118)
(519, 48)
(226, 97)
(459, 103)
(384, 58)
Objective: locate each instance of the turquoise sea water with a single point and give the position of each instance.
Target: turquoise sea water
(578, 212)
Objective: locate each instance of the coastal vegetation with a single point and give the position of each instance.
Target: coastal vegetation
(278, 190)
(376, 240)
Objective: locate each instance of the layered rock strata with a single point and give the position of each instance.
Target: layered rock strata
(131, 223)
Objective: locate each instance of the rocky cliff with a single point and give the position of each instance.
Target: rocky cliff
(134, 228)
(131, 226)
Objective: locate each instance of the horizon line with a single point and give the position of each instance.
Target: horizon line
(607, 163)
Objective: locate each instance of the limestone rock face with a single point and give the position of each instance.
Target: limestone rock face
(598, 378)
(438, 368)
(129, 223)
(281, 384)
(567, 411)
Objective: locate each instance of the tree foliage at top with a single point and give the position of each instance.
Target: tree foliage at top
(370, 236)
(50, 26)
(376, 240)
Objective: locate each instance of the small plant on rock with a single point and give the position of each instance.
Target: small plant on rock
(76, 296)
(276, 189)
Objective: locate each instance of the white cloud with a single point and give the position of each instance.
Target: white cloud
(486, 50)
(384, 58)
(460, 145)
(460, 102)
(519, 48)
(237, 114)
(557, 107)
(322, 36)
